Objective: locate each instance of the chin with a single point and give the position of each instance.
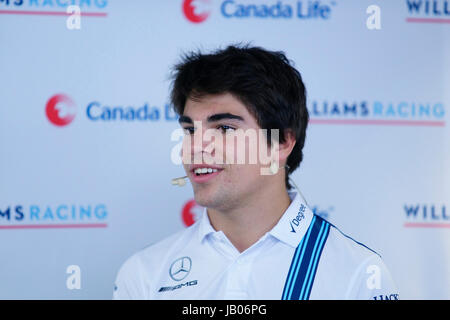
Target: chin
(208, 198)
(202, 199)
(222, 200)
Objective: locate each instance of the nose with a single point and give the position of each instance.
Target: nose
(197, 146)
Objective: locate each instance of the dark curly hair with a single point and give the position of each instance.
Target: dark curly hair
(264, 81)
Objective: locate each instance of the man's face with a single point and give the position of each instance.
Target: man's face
(213, 126)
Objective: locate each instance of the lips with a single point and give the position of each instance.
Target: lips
(204, 173)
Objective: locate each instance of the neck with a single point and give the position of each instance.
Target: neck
(246, 224)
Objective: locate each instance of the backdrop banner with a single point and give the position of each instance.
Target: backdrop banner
(87, 130)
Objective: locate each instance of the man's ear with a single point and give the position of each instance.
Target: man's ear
(286, 147)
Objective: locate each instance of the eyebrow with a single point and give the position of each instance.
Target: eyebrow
(212, 118)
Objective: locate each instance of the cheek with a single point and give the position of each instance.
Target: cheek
(242, 149)
(229, 150)
(242, 175)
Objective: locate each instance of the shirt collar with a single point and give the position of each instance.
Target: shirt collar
(295, 221)
(290, 229)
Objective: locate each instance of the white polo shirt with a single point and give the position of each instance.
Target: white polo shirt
(302, 257)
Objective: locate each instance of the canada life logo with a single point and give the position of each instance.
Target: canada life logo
(60, 110)
(196, 11)
(191, 212)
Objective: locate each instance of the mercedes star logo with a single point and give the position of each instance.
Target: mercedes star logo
(180, 268)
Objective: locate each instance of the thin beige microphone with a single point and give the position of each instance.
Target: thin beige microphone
(179, 181)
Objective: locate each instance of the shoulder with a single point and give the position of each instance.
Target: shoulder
(156, 252)
(366, 275)
(345, 246)
(135, 277)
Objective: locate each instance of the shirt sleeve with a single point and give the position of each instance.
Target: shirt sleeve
(129, 281)
(373, 281)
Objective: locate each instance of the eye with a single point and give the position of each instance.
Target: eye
(226, 129)
(188, 130)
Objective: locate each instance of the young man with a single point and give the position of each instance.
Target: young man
(257, 238)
